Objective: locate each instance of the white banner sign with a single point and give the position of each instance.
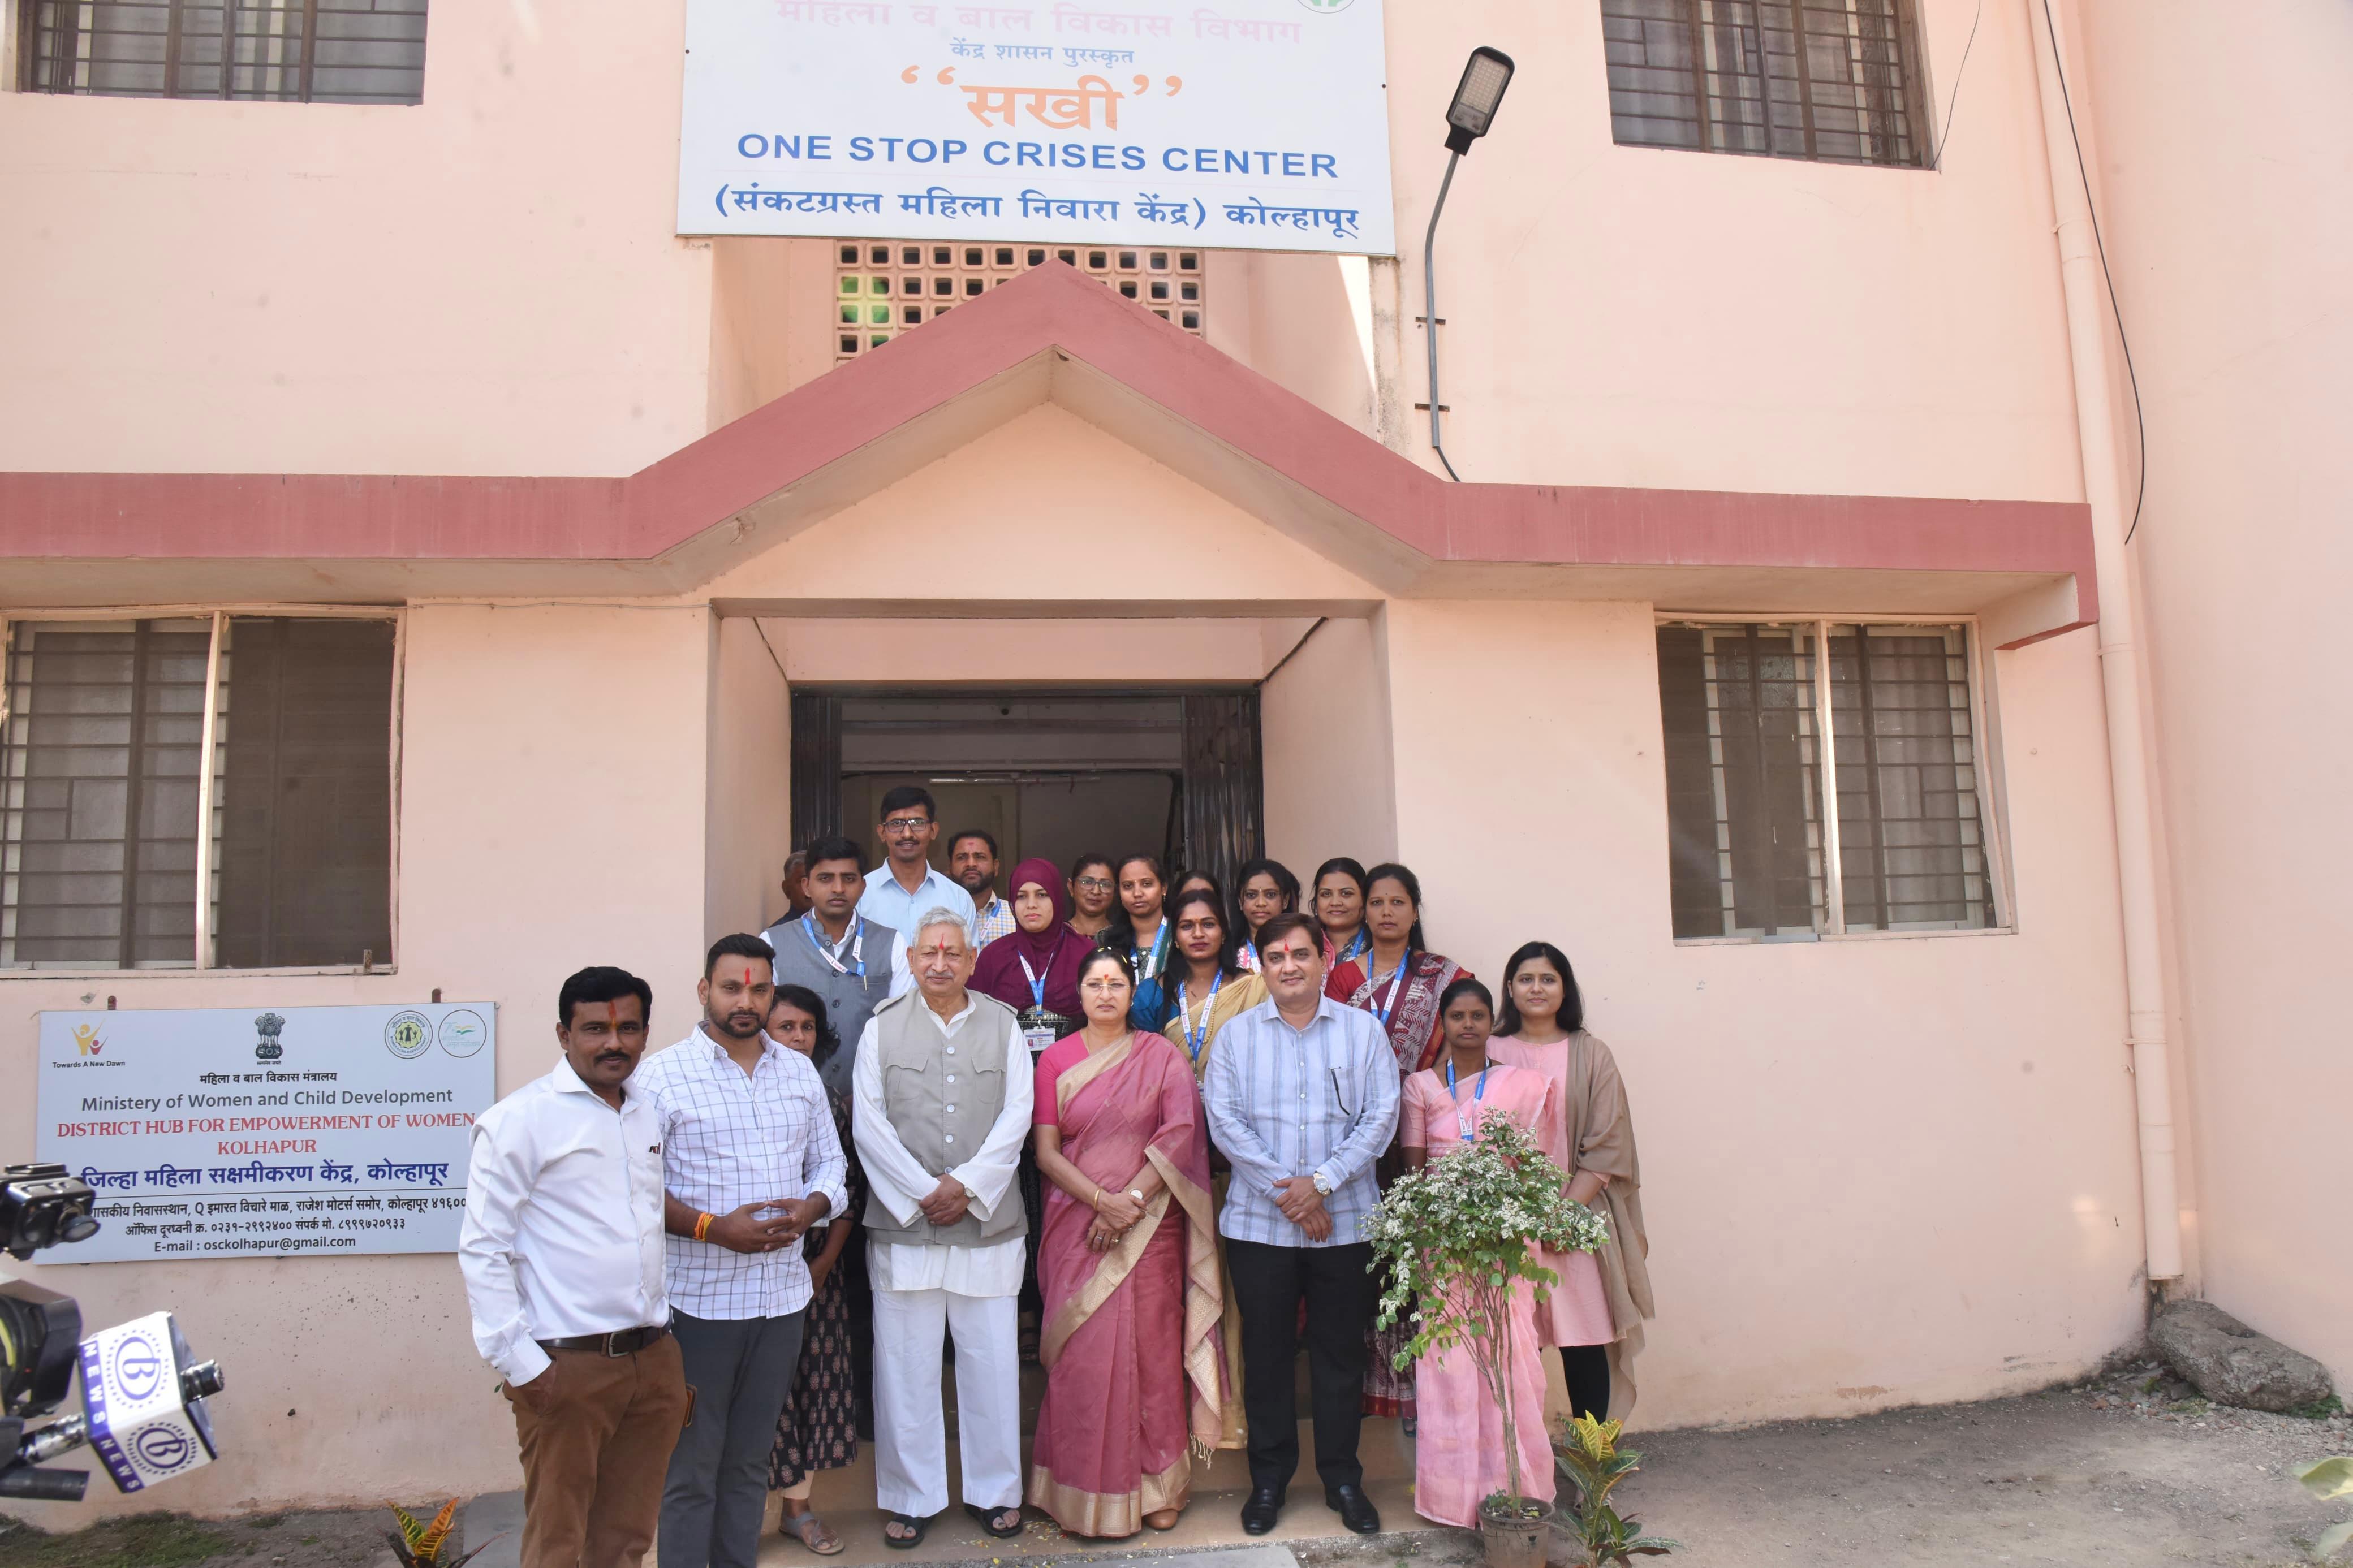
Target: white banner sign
(258, 1132)
(1239, 125)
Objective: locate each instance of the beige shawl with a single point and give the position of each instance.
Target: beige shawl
(1601, 1139)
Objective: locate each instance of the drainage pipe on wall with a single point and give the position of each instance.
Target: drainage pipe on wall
(2083, 278)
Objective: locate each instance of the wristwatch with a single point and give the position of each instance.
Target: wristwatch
(1137, 1194)
(1323, 1184)
(970, 1196)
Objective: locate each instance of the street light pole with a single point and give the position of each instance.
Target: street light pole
(1429, 304)
(1485, 76)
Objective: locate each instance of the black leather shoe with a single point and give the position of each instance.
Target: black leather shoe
(1355, 1509)
(1259, 1513)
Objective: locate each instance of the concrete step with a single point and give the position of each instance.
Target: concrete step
(1212, 1521)
(1212, 1524)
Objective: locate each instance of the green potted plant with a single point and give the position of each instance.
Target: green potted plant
(1594, 1463)
(1458, 1238)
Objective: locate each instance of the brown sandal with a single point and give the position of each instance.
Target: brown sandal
(1165, 1520)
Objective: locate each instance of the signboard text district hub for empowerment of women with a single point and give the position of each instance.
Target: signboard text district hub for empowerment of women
(262, 1132)
(1237, 124)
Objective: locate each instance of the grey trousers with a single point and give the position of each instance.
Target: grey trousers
(741, 1371)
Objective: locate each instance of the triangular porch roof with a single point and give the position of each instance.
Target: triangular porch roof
(1050, 334)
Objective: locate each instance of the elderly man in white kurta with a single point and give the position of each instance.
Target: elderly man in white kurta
(940, 1099)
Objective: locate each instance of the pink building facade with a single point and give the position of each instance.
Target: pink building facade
(1783, 658)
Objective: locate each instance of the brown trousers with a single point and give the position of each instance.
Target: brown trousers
(595, 1447)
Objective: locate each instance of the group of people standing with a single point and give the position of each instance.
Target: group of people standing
(1104, 1118)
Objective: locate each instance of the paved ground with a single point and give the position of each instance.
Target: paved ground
(2081, 1478)
(2070, 1478)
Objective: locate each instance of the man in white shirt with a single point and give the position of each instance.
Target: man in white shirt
(561, 1254)
(750, 1162)
(905, 885)
(940, 1107)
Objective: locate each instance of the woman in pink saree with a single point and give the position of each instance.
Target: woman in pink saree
(1459, 1450)
(1128, 1266)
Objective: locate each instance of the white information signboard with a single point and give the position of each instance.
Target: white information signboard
(260, 1132)
(1239, 125)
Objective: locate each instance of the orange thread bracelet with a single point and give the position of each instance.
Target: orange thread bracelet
(702, 1225)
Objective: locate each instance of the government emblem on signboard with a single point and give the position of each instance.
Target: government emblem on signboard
(408, 1035)
(1327, 6)
(267, 1026)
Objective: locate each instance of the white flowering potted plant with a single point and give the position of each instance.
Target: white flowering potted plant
(1458, 1241)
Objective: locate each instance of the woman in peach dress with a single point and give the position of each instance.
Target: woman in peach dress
(1595, 1315)
(1460, 1458)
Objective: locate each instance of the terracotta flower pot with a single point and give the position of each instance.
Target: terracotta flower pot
(1516, 1540)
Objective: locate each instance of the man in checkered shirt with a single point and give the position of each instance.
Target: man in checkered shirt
(750, 1162)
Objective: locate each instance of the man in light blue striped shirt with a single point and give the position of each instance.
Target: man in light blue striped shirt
(1301, 1095)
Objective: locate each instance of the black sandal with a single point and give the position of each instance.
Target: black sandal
(987, 1515)
(905, 1542)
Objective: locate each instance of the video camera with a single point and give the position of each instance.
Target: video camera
(143, 1393)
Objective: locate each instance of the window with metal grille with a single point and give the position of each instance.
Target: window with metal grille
(104, 786)
(1822, 778)
(885, 287)
(300, 51)
(1836, 80)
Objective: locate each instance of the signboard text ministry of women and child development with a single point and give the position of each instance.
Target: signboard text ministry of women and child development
(235, 1131)
(1241, 124)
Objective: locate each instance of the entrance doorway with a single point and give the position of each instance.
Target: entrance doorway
(1052, 773)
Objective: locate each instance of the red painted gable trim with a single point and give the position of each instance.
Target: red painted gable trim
(656, 509)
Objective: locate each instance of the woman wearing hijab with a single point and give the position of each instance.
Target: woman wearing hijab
(1595, 1314)
(1034, 968)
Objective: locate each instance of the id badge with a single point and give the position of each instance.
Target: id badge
(1039, 1040)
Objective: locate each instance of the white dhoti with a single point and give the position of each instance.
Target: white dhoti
(925, 1290)
(911, 1461)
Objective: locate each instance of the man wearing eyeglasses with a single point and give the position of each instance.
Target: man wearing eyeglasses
(906, 886)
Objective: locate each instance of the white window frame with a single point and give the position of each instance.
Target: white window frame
(208, 781)
(1991, 828)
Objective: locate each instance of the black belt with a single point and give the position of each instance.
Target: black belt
(619, 1342)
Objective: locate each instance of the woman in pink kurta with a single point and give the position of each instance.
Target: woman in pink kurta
(1460, 1458)
(1595, 1315)
(1128, 1262)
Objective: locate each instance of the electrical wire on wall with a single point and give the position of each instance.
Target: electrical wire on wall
(1954, 102)
(2140, 423)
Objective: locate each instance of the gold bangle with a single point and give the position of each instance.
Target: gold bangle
(1095, 1203)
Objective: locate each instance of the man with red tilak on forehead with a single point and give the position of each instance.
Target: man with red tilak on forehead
(752, 1161)
(561, 1253)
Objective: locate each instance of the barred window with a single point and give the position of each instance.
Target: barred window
(1834, 80)
(886, 287)
(103, 788)
(1822, 778)
(300, 51)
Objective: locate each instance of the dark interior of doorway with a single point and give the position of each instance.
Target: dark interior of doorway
(1048, 773)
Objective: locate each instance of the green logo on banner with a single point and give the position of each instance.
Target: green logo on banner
(1327, 6)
